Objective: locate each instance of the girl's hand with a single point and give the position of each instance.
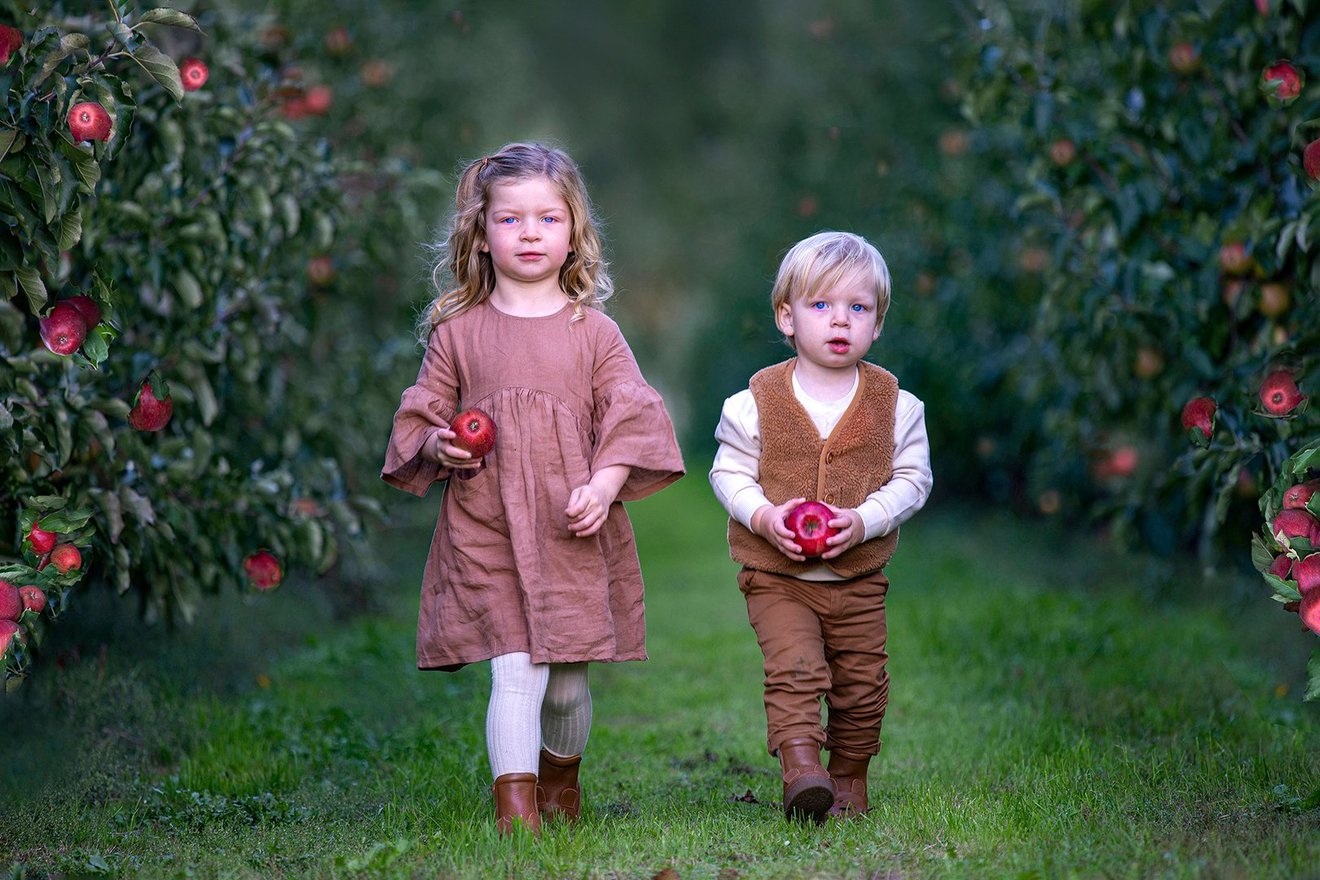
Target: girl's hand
(768, 522)
(589, 505)
(440, 448)
(852, 531)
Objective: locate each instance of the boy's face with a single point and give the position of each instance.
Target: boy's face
(834, 327)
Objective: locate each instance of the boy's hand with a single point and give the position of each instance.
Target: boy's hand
(440, 448)
(768, 522)
(852, 531)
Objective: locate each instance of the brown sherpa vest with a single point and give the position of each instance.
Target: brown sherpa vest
(856, 459)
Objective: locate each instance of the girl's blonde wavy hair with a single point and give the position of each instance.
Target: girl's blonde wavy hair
(463, 274)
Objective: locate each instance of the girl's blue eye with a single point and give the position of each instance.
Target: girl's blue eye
(506, 220)
(858, 307)
(819, 306)
(550, 219)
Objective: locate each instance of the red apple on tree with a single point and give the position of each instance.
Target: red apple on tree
(1281, 567)
(193, 73)
(153, 406)
(1311, 159)
(1281, 83)
(1184, 58)
(64, 329)
(1198, 418)
(474, 431)
(11, 602)
(1279, 393)
(321, 270)
(86, 307)
(1299, 496)
(1234, 259)
(10, 636)
(810, 524)
(34, 599)
(1062, 152)
(263, 570)
(88, 121)
(66, 558)
(1307, 573)
(1310, 610)
(42, 541)
(1293, 523)
(10, 39)
(318, 99)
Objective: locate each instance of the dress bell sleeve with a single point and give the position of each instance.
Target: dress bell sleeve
(426, 406)
(630, 422)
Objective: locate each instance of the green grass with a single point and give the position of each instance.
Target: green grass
(1052, 715)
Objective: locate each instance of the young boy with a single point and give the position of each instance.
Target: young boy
(822, 426)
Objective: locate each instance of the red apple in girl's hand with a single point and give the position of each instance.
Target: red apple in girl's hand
(474, 431)
(42, 540)
(809, 523)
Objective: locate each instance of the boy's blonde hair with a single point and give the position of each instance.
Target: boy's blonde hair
(463, 273)
(827, 259)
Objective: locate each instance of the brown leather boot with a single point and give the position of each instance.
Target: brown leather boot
(515, 801)
(848, 773)
(558, 795)
(808, 792)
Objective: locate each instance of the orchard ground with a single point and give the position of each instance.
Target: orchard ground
(1054, 712)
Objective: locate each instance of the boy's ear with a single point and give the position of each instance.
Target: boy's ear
(784, 319)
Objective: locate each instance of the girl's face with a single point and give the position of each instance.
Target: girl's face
(528, 231)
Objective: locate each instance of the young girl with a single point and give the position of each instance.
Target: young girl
(533, 565)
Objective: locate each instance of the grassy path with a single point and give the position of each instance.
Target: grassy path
(1049, 717)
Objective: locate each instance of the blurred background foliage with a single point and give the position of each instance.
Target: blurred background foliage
(1051, 191)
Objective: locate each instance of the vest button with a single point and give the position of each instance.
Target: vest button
(829, 459)
(829, 498)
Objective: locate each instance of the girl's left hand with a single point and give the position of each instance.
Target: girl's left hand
(587, 508)
(589, 505)
(852, 531)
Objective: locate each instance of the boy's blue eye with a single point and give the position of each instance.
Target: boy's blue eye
(506, 220)
(550, 219)
(819, 306)
(858, 307)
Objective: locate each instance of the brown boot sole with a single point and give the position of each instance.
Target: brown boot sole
(808, 800)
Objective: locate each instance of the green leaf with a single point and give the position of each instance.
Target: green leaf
(7, 138)
(30, 280)
(84, 162)
(189, 290)
(96, 347)
(171, 17)
(1313, 678)
(161, 67)
(48, 178)
(70, 229)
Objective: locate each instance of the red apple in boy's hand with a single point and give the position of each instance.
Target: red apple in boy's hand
(810, 524)
(474, 431)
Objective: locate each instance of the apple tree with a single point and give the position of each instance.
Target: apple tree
(1160, 158)
(171, 403)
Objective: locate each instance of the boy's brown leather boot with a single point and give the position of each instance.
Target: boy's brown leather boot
(515, 801)
(558, 795)
(848, 773)
(808, 792)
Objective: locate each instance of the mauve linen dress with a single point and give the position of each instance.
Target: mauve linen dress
(504, 573)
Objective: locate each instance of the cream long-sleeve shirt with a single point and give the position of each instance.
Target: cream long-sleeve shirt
(735, 475)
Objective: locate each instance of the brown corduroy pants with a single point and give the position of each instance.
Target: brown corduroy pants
(821, 639)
